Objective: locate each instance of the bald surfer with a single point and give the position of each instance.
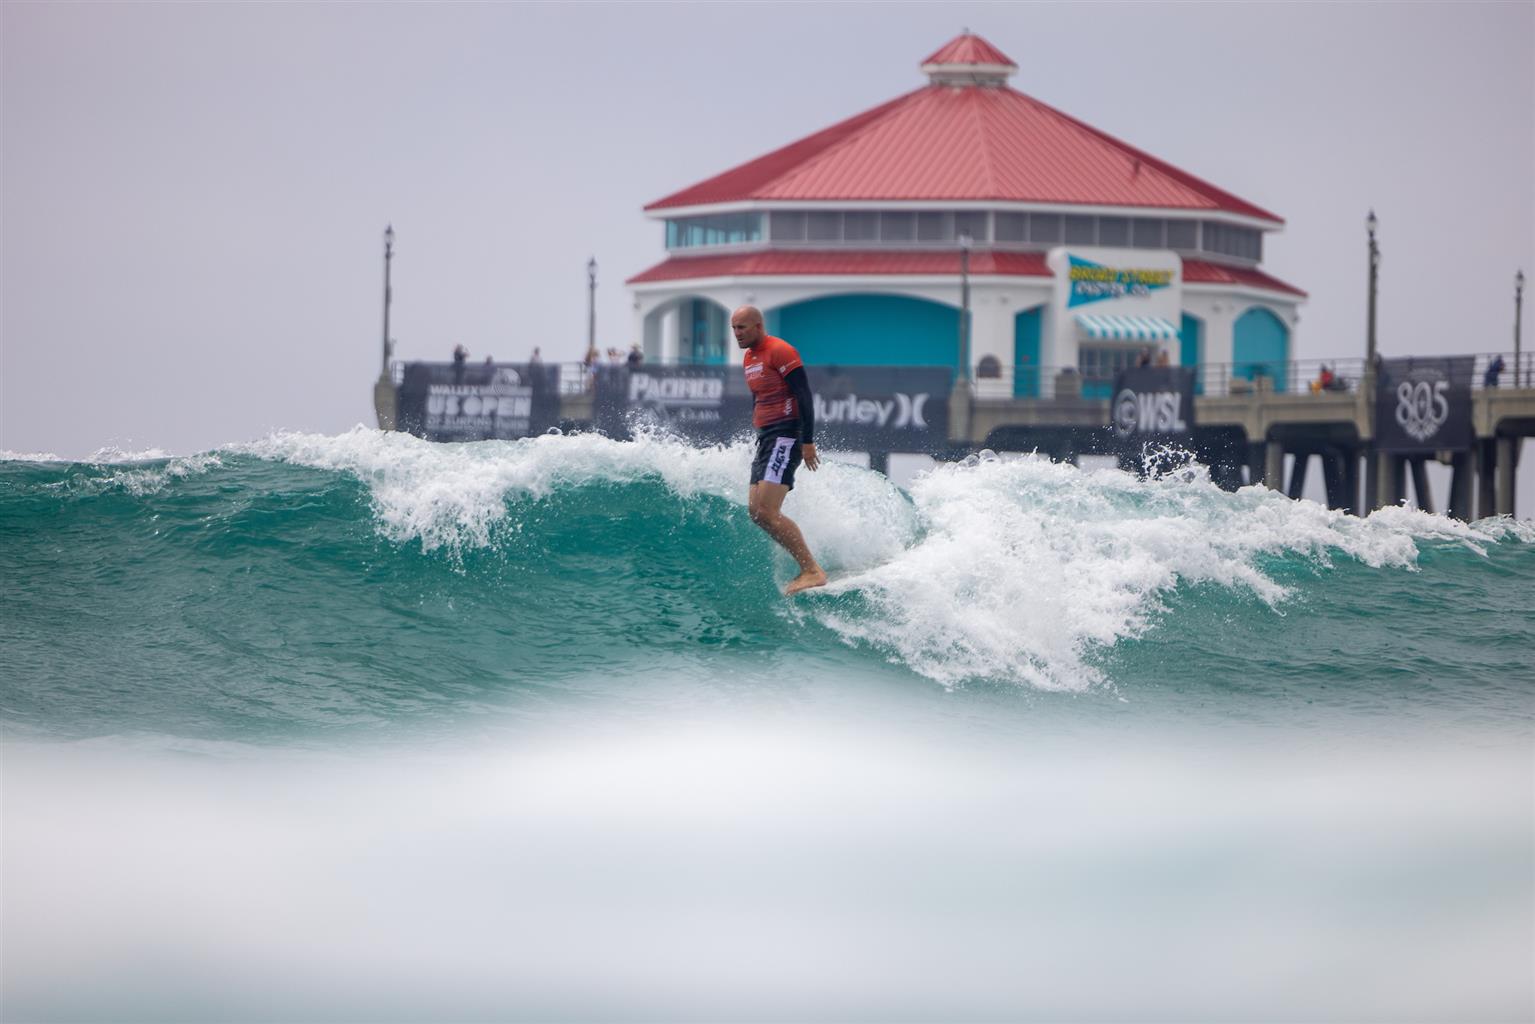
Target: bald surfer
(784, 415)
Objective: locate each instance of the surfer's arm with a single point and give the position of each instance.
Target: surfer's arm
(799, 386)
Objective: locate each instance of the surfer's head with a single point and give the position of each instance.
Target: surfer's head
(746, 322)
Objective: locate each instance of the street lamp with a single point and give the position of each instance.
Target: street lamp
(965, 242)
(1518, 303)
(591, 303)
(388, 292)
(1371, 223)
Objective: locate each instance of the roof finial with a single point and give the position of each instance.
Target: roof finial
(969, 60)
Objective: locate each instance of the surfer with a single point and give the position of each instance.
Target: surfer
(784, 416)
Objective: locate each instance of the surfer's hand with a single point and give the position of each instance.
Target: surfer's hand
(812, 460)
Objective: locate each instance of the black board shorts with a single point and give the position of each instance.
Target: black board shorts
(778, 454)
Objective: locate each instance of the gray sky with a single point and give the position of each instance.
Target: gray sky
(194, 193)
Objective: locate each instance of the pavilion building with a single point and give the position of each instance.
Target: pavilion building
(1072, 251)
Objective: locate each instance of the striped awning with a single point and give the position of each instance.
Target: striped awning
(1127, 328)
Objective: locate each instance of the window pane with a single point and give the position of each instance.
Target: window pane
(935, 227)
(1113, 231)
(1081, 230)
(1045, 227)
(787, 226)
(671, 234)
(1012, 227)
(825, 227)
(1146, 233)
(695, 230)
(1180, 234)
(897, 227)
(972, 222)
(860, 227)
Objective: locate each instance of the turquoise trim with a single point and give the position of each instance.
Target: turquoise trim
(1027, 327)
(1260, 345)
(869, 330)
(706, 325)
(1191, 347)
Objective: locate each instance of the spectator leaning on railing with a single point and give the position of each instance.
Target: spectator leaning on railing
(1494, 368)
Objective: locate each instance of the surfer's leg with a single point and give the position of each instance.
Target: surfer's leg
(765, 503)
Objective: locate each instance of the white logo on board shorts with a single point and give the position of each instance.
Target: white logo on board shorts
(779, 460)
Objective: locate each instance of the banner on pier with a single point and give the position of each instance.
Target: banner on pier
(1153, 403)
(1424, 404)
(859, 408)
(443, 402)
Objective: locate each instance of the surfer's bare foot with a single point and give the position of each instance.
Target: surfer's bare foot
(804, 581)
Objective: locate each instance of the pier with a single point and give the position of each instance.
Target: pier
(1245, 424)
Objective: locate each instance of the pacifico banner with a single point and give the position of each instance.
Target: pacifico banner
(857, 408)
(1424, 405)
(502, 401)
(1153, 403)
(702, 403)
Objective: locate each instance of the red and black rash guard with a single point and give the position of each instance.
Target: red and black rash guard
(780, 388)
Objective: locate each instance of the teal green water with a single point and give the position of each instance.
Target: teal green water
(286, 592)
(363, 728)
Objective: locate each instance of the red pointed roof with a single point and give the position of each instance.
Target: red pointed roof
(968, 48)
(964, 144)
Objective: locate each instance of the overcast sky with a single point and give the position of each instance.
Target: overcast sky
(194, 194)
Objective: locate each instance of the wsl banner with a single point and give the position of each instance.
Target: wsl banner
(500, 401)
(860, 408)
(1153, 403)
(1424, 405)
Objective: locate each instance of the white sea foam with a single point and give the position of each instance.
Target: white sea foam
(990, 569)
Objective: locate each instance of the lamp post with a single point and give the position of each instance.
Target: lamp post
(388, 292)
(1518, 304)
(591, 303)
(1371, 223)
(965, 242)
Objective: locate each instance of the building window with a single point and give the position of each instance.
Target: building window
(788, 226)
(860, 226)
(1012, 227)
(1113, 230)
(824, 226)
(935, 226)
(972, 223)
(1045, 227)
(1081, 230)
(1182, 234)
(897, 227)
(1230, 240)
(1146, 233)
(719, 229)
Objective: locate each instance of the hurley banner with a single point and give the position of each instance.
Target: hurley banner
(858, 408)
(1424, 405)
(882, 408)
(705, 403)
(1153, 403)
(444, 402)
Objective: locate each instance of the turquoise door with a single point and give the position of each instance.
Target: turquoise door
(1026, 368)
(869, 330)
(1191, 348)
(1260, 346)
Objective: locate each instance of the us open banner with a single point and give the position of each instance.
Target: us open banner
(442, 402)
(859, 408)
(1153, 403)
(1424, 405)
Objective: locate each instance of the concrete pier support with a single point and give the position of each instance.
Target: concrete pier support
(1486, 477)
(1389, 477)
(880, 462)
(1420, 489)
(1508, 453)
(1297, 487)
(1273, 465)
(1336, 479)
(1462, 486)
(385, 402)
